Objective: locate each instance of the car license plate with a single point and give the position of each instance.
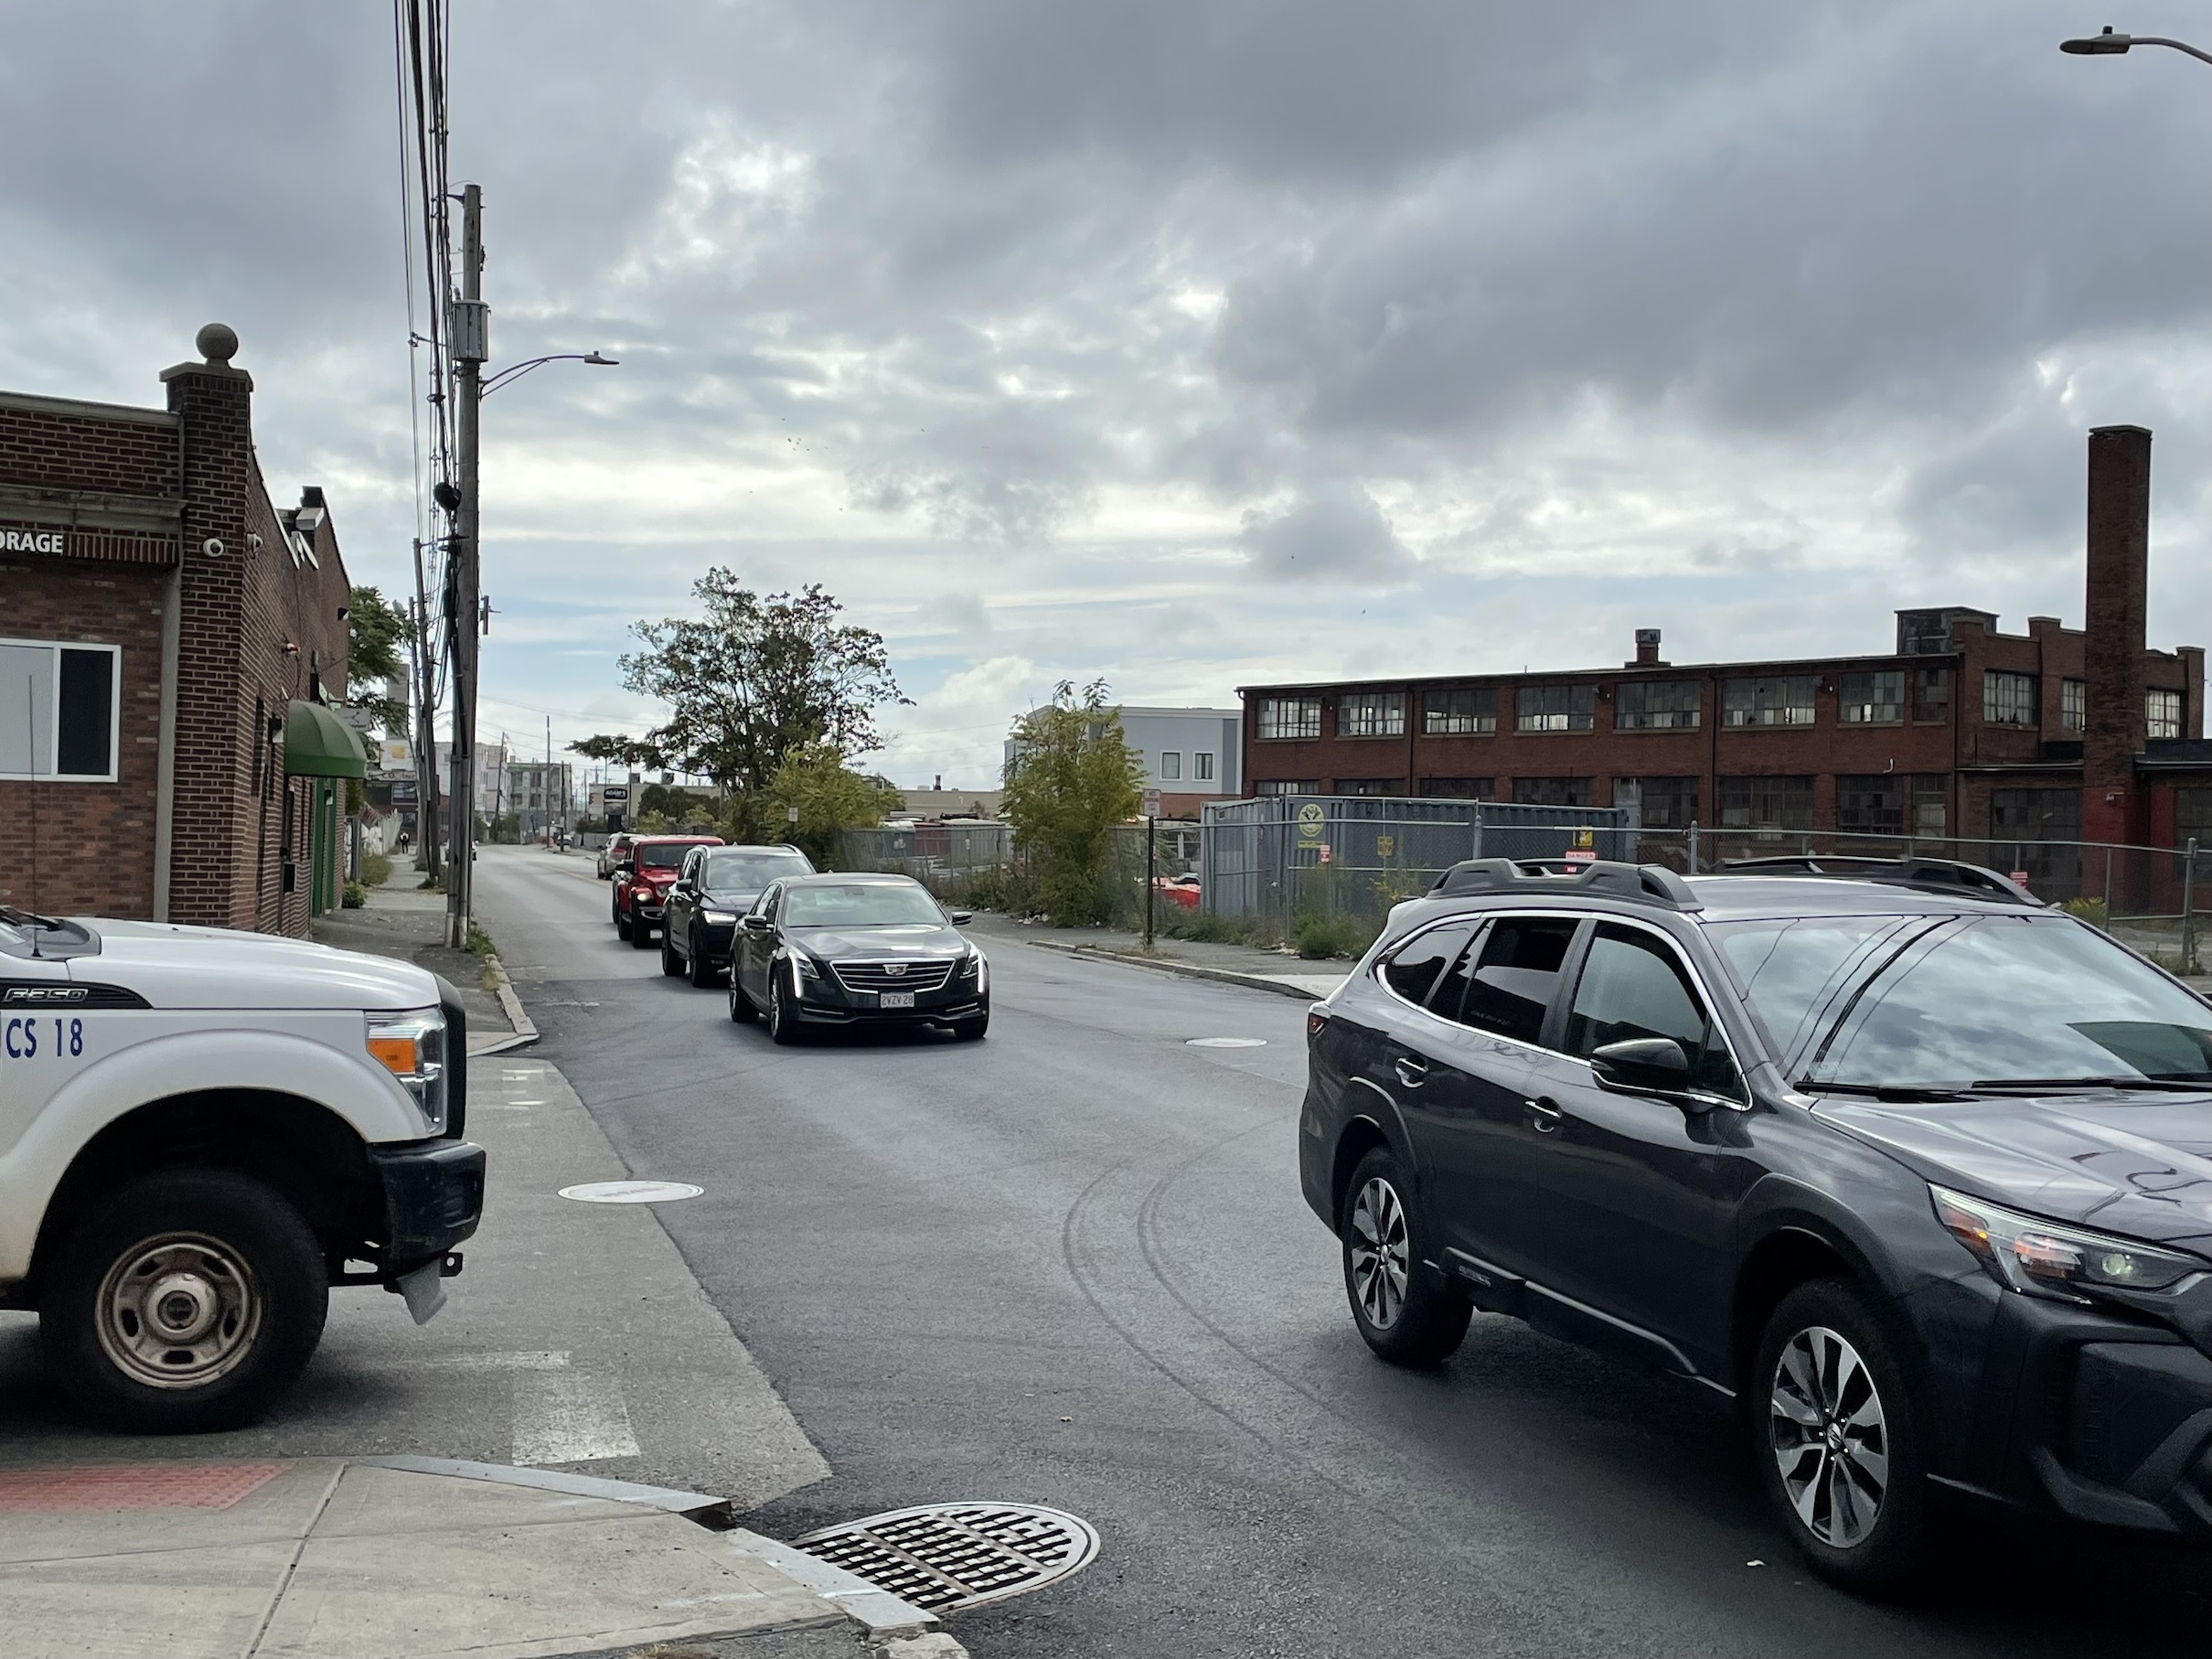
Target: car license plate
(895, 998)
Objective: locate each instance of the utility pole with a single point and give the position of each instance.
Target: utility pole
(471, 335)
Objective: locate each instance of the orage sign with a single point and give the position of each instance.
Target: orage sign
(32, 540)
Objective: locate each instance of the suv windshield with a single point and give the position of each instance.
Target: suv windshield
(737, 873)
(1999, 999)
(650, 857)
(859, 904)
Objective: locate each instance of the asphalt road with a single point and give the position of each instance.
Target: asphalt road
(1070, 1265)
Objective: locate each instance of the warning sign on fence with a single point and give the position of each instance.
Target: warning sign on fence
(1309, 822)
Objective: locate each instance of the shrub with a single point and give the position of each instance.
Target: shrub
(1317, 937)
(1202, 929)
(353, 896)
(2091, 911)
(1070, 781)
(376, 868)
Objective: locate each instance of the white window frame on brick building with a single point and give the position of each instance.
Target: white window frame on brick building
(1371, 714)
(1468, 712)
(1658, 705)
(34, 698)
(1875, 698)
(1286, 717)
(1767, 700)
(2010, 699)
(2162, 714)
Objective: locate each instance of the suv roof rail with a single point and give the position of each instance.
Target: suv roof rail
(1926, 874)
(1641, 883)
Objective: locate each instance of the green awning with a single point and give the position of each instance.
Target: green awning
(317, 744)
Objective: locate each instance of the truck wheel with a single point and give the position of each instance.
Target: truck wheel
(184, 1302)
(641, 933)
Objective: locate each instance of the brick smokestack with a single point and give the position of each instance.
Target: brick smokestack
(2118, 579)
(1647, 646)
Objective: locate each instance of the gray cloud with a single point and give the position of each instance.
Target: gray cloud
(1165, 328)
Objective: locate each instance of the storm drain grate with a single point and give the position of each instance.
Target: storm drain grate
(946, 1557)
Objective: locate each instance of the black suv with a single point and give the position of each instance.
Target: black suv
(1916, 1169)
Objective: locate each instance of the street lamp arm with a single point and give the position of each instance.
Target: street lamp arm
(2179, 45)
(2110, 45)
(515, 371)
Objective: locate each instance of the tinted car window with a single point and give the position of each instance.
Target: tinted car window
(1632, 986)
(1515, 974)
(660, 858)
(2023, 997)
(1789, 965)
(859, 904)
(748, 872)
(1414, 969)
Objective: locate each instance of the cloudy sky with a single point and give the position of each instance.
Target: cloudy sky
(1192, 344)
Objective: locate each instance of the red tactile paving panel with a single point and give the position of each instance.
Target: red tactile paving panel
(132, 1486)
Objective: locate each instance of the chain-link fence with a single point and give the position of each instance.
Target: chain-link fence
(2147, 897)
(1278, 860)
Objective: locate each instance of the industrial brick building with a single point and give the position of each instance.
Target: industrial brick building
(1962, 731)
(170, 642)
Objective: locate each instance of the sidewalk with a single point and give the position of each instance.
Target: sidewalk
(403, 922)
(1257, 970)
(406, 1559)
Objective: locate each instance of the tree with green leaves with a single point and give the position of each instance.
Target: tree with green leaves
(748, 683)
(377, 633)
(829, 796)
(1071, 780)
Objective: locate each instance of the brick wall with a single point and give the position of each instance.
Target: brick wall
(259, 626)
(88, 846)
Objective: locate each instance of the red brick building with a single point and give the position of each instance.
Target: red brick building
(1962, 731)
(169, 643)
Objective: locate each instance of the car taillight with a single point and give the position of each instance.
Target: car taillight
(1315, 1020)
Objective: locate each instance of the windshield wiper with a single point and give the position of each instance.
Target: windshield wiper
(2157, 1085)
(1883, 1091)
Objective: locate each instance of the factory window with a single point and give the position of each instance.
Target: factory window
(1876, 699)
(1458, 713)
(1555, 709)
(2162, 714)
(2009, 699)
(1657, 706)
(1290, 717)
(1781, 699)
(1371, 714)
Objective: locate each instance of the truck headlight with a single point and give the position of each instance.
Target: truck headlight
(2042, 1259)
(412, 1047)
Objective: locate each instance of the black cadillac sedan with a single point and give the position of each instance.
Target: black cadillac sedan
(716, 886)
(816, 951)
(1914, 1169)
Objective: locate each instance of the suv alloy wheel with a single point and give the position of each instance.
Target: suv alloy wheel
(702, 964)
(1406, 1316)
(1834, 1434)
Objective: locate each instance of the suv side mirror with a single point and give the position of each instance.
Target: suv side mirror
(961, 918)
(753, 922)
(1643, 1066)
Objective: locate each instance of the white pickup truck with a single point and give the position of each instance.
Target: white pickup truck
(201, 1132)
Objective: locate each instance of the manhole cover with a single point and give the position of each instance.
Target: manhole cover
(1226, 1042)
(631, 1192)
(946, 1557)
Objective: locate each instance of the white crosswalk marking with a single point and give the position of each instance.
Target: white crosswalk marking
(566, 1416)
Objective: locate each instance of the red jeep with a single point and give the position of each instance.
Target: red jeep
(644, 878)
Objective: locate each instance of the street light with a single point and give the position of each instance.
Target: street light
(2109, 45)
(508, 376)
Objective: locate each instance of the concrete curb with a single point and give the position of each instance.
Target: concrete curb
(703, 1508)
(884, 1614)
(1189, 970)
(525, 1029)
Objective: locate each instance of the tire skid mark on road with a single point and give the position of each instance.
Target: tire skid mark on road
(1376, 1487)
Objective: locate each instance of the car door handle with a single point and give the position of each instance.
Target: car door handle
(1544, 1115)
(1411, 1072)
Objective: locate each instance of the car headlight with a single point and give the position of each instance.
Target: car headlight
(412, 1047)
(719, 918)
(802, 968)
(972, 966)
(2040, 1258)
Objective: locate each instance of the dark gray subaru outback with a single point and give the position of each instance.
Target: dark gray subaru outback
(1916, 1169)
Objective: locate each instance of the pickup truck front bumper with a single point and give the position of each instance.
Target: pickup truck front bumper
(433, 1198)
